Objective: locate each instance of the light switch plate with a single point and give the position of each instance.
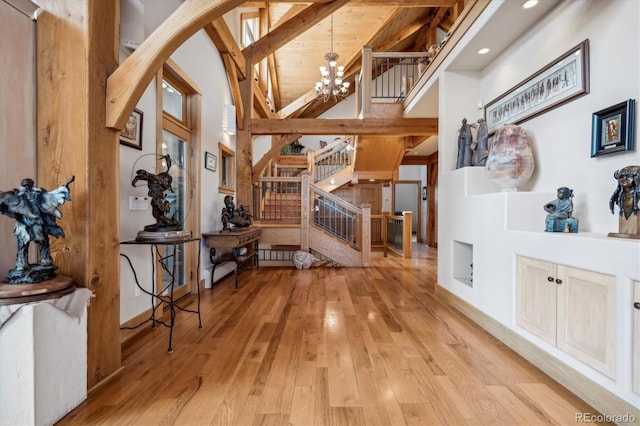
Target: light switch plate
(138, 203)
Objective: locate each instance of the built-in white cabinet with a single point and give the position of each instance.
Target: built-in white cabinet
(570, 308)
(636, 337)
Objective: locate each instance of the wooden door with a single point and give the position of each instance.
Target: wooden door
(586, 317)
(536, 298)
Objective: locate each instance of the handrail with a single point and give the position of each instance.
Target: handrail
(330, 146)
(334, 199)
(331, 159)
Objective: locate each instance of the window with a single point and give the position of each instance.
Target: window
(173, 101)
(227, 169)
(250, 28)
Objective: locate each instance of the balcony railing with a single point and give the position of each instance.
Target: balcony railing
(386, 77)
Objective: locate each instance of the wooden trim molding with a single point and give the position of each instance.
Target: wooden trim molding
(592, 393)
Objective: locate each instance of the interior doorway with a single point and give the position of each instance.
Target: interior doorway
(407, 196)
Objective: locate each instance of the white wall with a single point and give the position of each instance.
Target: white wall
(201, 61)
(561, 138)
(497, 226)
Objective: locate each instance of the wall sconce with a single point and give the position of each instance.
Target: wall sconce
(229, 119)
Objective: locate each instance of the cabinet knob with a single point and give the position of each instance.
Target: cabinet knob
(550, 279)
(558, 281)
(636, 305)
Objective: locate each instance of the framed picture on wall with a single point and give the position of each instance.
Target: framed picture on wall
(612, 129)
(210, 161)
(564, 79)
(131, 135)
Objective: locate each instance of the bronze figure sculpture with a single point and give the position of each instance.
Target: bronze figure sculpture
(160, 207)
(626, 196)
(239, 217)
(35, 211)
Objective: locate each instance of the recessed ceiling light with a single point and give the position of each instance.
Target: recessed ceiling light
(529, 4)
(483, 51)
(372, 180)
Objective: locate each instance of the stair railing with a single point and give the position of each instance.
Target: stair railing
(277, 199)
(332, 158)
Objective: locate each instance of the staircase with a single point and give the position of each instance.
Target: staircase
(294, 207)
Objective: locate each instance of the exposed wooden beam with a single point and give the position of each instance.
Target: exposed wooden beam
(351, 126)
(261, 105)
(127, 83)
(221, 36)
(244, 142)
(273, 153)
(235, 89)
(73, 140)
(292, 28)
(392, 3)
(404, 3)
(272, 72)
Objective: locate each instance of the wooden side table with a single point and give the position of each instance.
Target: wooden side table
(236, 240)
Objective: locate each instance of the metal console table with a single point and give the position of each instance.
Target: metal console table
(235, 240)
(164, 295)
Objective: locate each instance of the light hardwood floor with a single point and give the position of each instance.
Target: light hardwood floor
(327, 347)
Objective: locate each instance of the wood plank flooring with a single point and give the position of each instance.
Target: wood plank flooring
(326, 346)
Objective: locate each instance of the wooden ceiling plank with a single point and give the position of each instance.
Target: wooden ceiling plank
(349, 126)
(289, 30)
(352, 67)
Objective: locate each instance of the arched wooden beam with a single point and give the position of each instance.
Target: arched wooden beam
(127, 83)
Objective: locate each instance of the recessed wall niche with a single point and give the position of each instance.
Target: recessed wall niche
(462, 265)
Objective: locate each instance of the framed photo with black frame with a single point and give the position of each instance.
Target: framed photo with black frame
(131, 135)
(210, 161)
(564, 79)
(612, 129)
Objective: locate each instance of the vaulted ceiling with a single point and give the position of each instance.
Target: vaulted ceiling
(295, 36)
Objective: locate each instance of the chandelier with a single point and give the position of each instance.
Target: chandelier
(331, 82)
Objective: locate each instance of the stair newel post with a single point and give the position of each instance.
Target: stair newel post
(383, 232)
(305, 210)
(311, 163)
(407, 232)
(366, 235)
(365, 86)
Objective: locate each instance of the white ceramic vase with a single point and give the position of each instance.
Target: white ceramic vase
(510, 162)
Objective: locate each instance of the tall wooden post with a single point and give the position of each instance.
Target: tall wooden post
(366, 235)
(77, 50)
(407, 234)
(244, 145)
(305, 210)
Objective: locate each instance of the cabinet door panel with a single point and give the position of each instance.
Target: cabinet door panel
(636, 339)
(586, 317)
(536, 298)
